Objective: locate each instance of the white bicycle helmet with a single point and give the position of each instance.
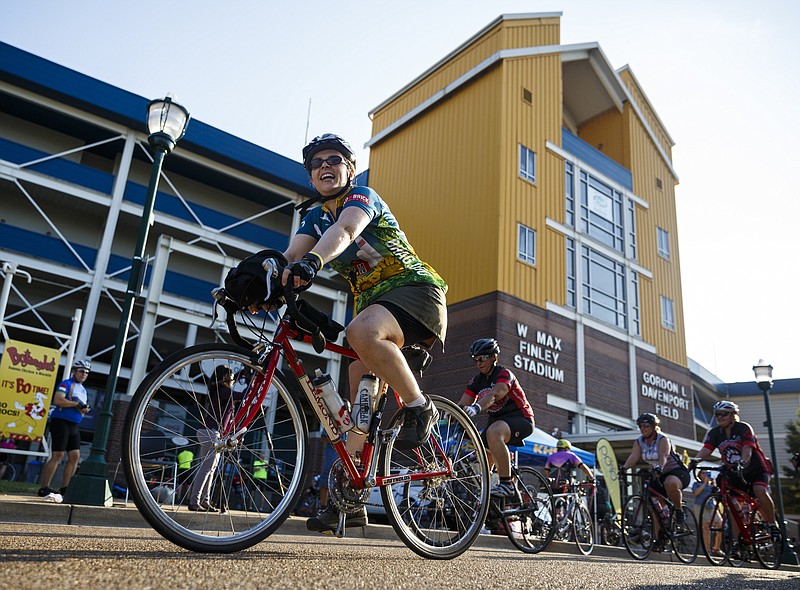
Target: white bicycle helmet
(82, 364)
(726, 406)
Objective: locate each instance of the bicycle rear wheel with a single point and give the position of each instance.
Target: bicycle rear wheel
(637, 527)
(529, 519)
(717, 538)
(684, 538)
(583, 529)
(439, 517)
(767, 545)
(165, 415)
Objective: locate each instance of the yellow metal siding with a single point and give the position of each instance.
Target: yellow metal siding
(521, 201)
(506, 35)
(449, 207)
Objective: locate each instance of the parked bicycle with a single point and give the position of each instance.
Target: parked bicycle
(738, 528)
(436, 496)
(572, 519)
(528, 516)
(649, 524)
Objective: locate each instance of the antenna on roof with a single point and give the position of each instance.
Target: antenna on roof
(308, 119)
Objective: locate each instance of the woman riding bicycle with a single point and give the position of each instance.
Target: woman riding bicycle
(564, 461)
(739, 447)
(655, 448)
(496, 391)
(399, 299)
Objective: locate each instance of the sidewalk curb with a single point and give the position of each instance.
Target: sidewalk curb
(33, 510)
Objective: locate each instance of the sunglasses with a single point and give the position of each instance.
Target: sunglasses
(330, 161)
(81, 370)
(720, 414)
(644, 425)
(480, 358)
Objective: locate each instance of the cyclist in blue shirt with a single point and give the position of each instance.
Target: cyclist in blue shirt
(70, 405)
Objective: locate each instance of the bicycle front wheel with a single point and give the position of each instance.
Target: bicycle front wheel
(529, 518)
(684, 537)
(637, 527)
(583, 529)
(169, 413)
(438, 517)
(767, 544)
(716, 528)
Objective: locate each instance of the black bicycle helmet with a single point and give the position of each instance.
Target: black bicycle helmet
(327, 141)
(648, 418)
(484, 346)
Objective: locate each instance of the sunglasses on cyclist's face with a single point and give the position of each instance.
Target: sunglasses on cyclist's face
(482, 357)
(330, 161)
(81, 371)
(645, 425)
(721, 414)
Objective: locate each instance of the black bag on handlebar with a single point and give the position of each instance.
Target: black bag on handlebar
(248, 283)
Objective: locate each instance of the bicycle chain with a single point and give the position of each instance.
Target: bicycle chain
(341, 492)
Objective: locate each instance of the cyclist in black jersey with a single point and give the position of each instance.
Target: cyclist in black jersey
(496, 391)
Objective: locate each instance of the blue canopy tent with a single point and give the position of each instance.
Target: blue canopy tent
(540, 445)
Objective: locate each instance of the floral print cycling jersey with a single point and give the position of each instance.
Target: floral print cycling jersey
(379, 259)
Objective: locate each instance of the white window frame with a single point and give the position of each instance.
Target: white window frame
(667, 313)
(527, 164)
(663, 242)
(526, 239)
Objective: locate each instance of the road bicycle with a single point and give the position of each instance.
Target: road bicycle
(738, 528)
(572, 519)
(528, 516)
(435, 496)
(641, 536)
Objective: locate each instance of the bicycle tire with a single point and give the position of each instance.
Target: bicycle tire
(767, 545)
(529, 519)
(170, 400)
(685, 542)
(637, 527)
(438, 518)
(714, 512)
(583, 528)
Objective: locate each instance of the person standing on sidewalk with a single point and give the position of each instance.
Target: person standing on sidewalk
(70, 405)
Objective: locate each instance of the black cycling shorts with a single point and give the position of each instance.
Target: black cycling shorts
(521, 428)
(64, 435)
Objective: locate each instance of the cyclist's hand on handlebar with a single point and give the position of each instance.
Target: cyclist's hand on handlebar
(472, 410)
(302, 271)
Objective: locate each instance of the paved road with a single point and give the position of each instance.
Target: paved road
(37, 556)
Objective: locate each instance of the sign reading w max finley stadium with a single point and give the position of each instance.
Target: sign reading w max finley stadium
(539, 354)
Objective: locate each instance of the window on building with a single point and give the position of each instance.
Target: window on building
(527, 163)
(526, 248)
(663, 243)
(601, 212)
(569, 185)
(667, 313)
(605, 289)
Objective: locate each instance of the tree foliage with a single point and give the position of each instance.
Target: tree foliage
(791, 490)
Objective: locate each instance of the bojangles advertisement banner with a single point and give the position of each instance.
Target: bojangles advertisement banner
(28, 376)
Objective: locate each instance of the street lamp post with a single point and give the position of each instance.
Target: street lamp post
(166, 124)
(763, 373)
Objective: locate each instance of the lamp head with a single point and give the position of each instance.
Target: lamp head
(166, 122)
(763, 373)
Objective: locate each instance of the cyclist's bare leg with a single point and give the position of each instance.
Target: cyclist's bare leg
(377, 337)
(765, 502)
(497, 435)
(50, 467)
(673, 487)
(72, 465)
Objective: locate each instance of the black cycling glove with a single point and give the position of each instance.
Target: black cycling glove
(306, 268)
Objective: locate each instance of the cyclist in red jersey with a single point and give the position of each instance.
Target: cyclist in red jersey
(738, 445)
(496, 391)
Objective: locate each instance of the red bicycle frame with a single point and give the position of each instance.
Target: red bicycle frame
(250, 405)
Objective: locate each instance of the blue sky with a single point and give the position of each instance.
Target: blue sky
(722, 76)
